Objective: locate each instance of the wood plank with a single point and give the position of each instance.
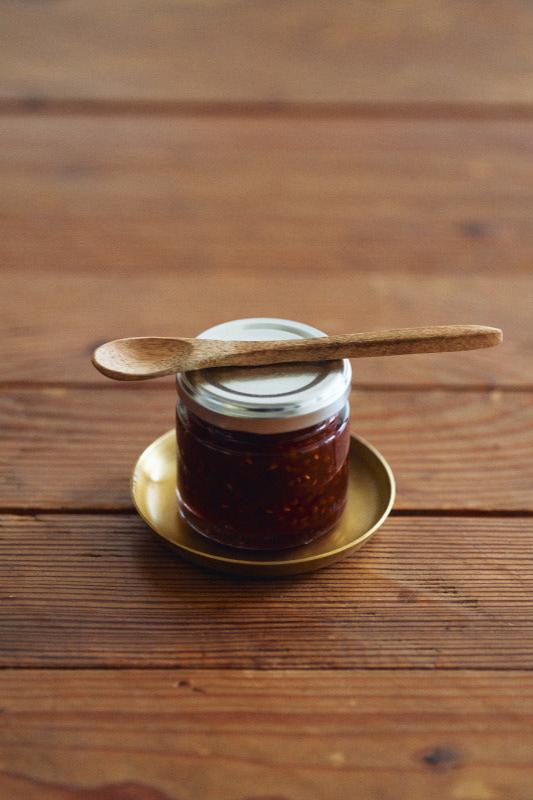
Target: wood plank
(285, 196)
(434, 593)
(50, 322)
(220, 735)
(292, 51)
(74, 448)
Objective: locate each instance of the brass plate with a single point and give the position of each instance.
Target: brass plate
(370, 497)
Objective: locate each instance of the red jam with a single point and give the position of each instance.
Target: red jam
(262, 491)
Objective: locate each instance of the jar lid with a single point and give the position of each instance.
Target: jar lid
(270, 399)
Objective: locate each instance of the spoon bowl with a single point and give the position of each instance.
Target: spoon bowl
(144, 357)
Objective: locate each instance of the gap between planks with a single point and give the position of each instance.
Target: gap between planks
(158, 385)
(493, 513)
(146, 667)
(247, 108)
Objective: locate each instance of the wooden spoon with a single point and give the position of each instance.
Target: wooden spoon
(138, 359)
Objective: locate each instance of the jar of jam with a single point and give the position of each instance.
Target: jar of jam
(263, 451)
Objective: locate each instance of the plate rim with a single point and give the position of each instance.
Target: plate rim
(248, 562)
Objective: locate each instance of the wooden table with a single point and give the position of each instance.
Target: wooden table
(166, 166)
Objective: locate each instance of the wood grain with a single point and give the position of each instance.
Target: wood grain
(211, 196)
(219, 735)
(74, 448)
(293, 51)
(90, 590)
(50, 322)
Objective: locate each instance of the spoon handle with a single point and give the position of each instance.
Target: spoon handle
(400, 341)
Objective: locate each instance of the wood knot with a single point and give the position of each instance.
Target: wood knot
(441, 758)
(407, 596)
(475, 229)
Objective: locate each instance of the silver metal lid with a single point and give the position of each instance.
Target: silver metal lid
(269, 399)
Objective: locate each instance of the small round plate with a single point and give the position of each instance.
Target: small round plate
(370, 497)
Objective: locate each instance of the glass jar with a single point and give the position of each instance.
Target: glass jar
(263, 451)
